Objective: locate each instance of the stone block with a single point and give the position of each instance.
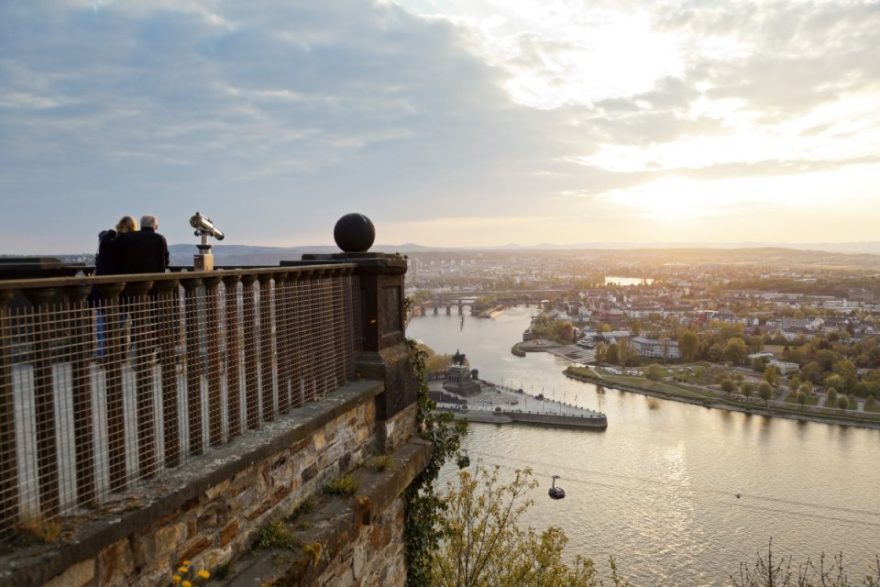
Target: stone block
(115, 565)
(358, 561)
(318, 440)
(195, 548)
(229, 532)
(218, 490)
(78, 575)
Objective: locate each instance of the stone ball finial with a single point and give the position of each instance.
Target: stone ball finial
(354, 233)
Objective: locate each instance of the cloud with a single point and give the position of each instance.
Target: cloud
(276, 117)
(275, 110)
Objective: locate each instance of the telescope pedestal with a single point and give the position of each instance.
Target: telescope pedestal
(204, 261)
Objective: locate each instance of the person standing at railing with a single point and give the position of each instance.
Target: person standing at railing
(108, 262)
(143, 251)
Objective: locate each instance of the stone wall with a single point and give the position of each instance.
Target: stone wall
(376, 557)
(213, 510)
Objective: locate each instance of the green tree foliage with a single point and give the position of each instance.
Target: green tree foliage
(771, 376)
(832, 397)
(728, 386)
(747, 389)
(655, 372)
(756, 343)
(688, 345)
(485, 545)
(612, 354)
(765, 391)
(843, 402)
(735, 351)
(423, 523)
(715, 353)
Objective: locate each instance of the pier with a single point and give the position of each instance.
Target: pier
(496, 404)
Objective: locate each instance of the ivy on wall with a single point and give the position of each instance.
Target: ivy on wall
(424, 508)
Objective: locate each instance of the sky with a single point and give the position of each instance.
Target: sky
(448, 123)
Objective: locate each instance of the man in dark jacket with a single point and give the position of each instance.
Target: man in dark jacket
(143, 251)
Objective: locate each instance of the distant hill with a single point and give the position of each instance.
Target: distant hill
(254, 255)
(834, 254)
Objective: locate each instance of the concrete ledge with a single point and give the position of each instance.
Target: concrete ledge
(174, 490)
(334, 525)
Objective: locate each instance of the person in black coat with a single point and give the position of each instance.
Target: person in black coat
(108, 262)
(143, 251)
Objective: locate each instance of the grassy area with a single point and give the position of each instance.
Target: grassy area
(673, 390)
(812, 400)
(640, 382)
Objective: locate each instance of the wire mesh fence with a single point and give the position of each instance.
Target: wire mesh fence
(107, 385)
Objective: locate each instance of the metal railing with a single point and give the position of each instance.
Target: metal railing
(106, 381)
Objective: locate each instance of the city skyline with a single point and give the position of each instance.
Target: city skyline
(476, 123)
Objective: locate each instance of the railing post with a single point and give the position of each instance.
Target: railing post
(113, 335)
(384, 354)
(168, 317)
(193, 365)
(9, 514)
(212, 365)
(266, 375)
(80, 319)
(142, 347)
(305, 341)
(251, 402)
(44, 399)
(233, 355)
(283, 335)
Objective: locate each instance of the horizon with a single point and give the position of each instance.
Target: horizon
(836, 248)
(476, 122)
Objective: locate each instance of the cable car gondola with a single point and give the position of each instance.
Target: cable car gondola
(556, 492)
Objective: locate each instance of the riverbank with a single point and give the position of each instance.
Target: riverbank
(707, 399)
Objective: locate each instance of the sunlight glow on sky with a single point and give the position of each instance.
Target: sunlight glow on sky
(449, 122)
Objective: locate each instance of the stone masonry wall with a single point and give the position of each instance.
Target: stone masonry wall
(376, 557)
(209, 528)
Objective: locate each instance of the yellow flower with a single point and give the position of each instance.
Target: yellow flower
(175, 579)
(186, 584)
(185, 563)
(183, 570)
(204, 574)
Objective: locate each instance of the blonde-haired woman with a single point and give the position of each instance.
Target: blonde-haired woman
(125, 224)
(107, 262)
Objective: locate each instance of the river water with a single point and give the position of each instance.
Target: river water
(658, 489)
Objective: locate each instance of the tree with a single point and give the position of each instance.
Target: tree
(765, 391)
(655, 372)
(735, 351)
(747, 389)
(756, 343)
(771, 375)
(688, 344)
(843, 402)
(485, 544)
(800, 397)
(715, 353)
(832, 397)
(728, 386)
(612, 355)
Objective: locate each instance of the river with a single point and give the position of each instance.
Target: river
(658, 489)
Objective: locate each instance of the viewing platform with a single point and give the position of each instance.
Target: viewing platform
(154, 418)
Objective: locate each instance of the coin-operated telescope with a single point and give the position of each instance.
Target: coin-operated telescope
(204, 260)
